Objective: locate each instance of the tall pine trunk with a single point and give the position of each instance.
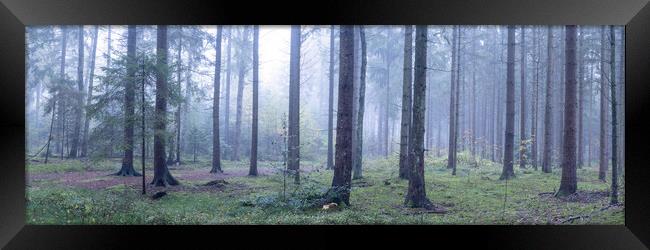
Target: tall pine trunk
(535, 103)
(216, 142)
(240, 96)
(226, 125)
(612, 74)
(79, 95)
(162, 176)
(548, 108)
(569, 182)
(508, 157)
(330, 110)
(341, 182)
(603, 162)
(129, 105)
(91, 75)
(253, 159)
(387, 102)
(416, 195)
(581, 126)
(457, 100)
(406, 102)
(451, 158)
(522, 108)
(294, 103)
(358, 162)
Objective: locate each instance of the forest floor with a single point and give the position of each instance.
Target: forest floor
(84, 192)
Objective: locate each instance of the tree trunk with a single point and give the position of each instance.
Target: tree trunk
(602, 171)
(91, 75)
(330, 114)
(457, 100)
(294, 104)
(416, 195)
(548, 108)
(109, 146)
(387, 107)
(240, 95)
(49, 136)
(535, 105)
(341, 182)
(358, 162)
(162, 176)
(612, 74)
(522, 108)
(569, 182)
(79, 95)
(581, 66)
(226, 125)
(62, 100)
(473, 118)
(406, 103)
(508, 159)
(129, 105)
(253, 159)
(216, 142)
(621, 100)
(451, 158)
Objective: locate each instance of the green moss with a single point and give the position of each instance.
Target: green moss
(473, 196)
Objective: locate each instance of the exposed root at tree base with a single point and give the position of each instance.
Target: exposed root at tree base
(426, 208)
(127, 173)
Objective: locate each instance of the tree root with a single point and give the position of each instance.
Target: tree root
(127, 172)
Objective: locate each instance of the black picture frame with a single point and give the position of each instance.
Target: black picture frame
(16, 14)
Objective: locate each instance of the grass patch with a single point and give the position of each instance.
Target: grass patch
(473, 196)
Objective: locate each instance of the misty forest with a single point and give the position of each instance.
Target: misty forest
(325, 124)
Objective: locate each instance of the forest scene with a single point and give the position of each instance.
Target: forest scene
(332, 124)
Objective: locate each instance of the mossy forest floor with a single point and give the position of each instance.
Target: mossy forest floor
(83, 192)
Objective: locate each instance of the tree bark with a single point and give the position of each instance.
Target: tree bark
(548, 108)
(612, 74)
(358, 162)
(457, 100)
(240, 95)
(508, 159)
(294, 103)
(162, 176)
(535, 104)
(522, 108)
(177, 114)
(330, 114)
(216, 142)
(226, 125)
(406, 103)
(569, 183)
(79, 95)
(416, 195)
(253, 159)
(451, 158)
(341, 182)
(91, 75)
(581, 66)
(603, 162)
(60, 95)
(129, 105)
(387, 107)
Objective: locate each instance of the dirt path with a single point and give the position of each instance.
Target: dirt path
(104, 179)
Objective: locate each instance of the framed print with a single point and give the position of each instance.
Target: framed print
(518, 124)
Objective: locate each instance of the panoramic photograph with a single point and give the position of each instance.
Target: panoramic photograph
(329, 124)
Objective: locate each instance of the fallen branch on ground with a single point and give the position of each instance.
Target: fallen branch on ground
(572, 218)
